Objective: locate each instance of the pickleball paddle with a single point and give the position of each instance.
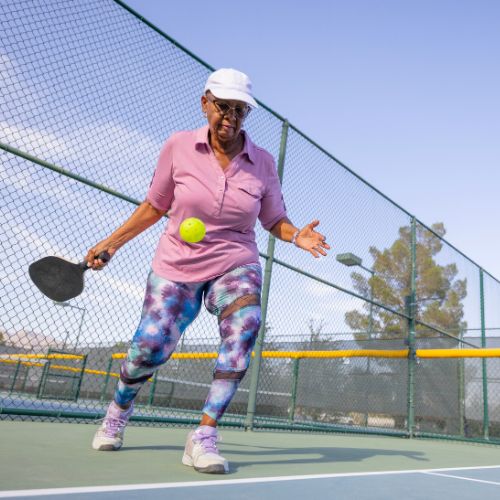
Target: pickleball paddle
(59, 279)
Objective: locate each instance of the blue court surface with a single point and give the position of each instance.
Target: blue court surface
(460, 484)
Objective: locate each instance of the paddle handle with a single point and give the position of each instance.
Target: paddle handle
(104, 256)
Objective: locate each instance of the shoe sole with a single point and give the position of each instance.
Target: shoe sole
(210, 469)
(106, 446)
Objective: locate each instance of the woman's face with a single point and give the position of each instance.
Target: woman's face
(225, 117)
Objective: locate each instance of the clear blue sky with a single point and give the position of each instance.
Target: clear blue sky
(405, 93)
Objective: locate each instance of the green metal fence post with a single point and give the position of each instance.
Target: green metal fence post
(80, 377)
(14, 379)
(486, 417)
(411, 308)
(106, 380)
(461, 389)
(254, 376)
(43, 380)
(153, 389)
(25, 379)
(293, 399)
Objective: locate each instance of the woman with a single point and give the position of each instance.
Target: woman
(217, 174)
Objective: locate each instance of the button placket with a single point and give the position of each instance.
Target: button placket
(219, 193)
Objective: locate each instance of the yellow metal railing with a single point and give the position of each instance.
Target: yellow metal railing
(27, 359)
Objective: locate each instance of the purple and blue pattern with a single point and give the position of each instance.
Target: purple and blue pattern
(169, 308)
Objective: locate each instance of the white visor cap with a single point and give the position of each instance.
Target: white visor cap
(231, 84)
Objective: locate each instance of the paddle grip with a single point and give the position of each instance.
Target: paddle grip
(104, 256)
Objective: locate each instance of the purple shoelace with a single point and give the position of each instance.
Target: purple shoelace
(114, 425)
(116, 420)
(207, 442)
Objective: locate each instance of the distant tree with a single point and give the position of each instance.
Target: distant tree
(315, 329)
(122, 345)
(439, 292)
(3, 337)
(270, 344)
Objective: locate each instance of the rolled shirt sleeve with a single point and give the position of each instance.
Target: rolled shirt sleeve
(161, 190)
(273, 207)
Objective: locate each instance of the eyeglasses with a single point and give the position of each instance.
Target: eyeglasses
(224, 109)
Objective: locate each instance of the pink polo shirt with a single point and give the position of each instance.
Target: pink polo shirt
(189, 182)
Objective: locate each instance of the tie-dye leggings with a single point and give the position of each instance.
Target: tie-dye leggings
(169, 308)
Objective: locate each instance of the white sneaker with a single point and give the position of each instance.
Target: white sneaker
(109, 436)
(201, 451)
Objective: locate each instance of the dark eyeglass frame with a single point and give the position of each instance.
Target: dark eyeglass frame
(238, 111)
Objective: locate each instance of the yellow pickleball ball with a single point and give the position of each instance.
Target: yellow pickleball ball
(192, 230)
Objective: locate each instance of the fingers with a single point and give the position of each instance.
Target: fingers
(92, 260)
(99, 264)
(321, 239)
(312, 241)
(316, 246)
(320, 245)
(321, 251)
(92, 257)
(313, 224)
(317, 251)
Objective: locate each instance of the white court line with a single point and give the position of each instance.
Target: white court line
(220, 482)
(462, 478)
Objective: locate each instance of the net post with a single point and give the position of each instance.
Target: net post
(486, 418)
(410, 306)
(254, 375)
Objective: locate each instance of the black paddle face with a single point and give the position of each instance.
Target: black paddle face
(59, 279)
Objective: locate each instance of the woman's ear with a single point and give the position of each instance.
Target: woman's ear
(204, 103)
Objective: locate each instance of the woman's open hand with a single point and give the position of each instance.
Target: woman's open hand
(310, 240)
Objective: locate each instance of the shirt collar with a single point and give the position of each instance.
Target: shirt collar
(201, 137)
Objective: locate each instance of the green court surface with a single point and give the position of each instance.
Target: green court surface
(39, 455)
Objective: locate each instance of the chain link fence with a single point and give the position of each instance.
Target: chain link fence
(89, 91)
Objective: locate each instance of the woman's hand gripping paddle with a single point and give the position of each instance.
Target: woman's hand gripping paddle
(59, 279)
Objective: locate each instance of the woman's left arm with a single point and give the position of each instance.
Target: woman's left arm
(306, 238)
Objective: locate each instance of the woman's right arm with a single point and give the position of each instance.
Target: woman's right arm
(143, 217)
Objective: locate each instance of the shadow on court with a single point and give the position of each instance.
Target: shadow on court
(268, 455)
(313, 455)
(151, 448)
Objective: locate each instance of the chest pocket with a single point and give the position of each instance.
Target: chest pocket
(251, 191)
(247, 207)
